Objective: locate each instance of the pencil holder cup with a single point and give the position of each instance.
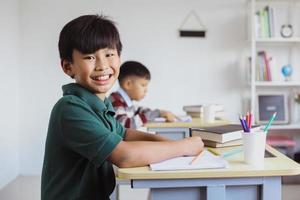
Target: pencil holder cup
(254, 148)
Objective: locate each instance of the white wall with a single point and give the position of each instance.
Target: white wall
(184, 70)
(42, 77)
(9, 78)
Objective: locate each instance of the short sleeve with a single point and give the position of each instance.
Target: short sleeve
(83, 132)
(120, 129)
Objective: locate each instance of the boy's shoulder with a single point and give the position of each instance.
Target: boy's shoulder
(116, 99)
(114, 95)
(69, 100)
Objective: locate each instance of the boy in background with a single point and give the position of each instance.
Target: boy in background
(84, 139)
(134, 78)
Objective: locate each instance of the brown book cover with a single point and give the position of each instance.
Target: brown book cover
(209, 143)
(220, 134)
(193, 108)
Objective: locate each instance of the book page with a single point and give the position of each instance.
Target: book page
(206, 161)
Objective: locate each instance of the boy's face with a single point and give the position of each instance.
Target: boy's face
(97, 71)
(136, 87)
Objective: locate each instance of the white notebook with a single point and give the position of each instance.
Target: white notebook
(206, 161)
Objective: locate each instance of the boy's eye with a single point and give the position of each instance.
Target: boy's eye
(88, 57)
(110, 54)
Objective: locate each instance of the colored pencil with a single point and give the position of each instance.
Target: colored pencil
(270, 122)
(225, 154)
(231, 153)
(242, 123)
(196, 157)
(250, 120)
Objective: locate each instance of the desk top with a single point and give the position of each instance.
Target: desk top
(280, 165)
(195, 123)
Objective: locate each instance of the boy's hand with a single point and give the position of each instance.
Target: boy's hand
(170, 117)
(193, 145)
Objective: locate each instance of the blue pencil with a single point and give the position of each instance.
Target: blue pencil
(243, 124)
(231, 153)
(226, 154)
(246, 125)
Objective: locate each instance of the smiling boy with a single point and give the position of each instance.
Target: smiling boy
(84, 139)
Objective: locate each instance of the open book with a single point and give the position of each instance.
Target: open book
(206, 161)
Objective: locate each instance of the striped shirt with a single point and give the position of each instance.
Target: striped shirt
(128, 114)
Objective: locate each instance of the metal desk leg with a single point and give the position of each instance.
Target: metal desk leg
(216, 192)
(271, 188)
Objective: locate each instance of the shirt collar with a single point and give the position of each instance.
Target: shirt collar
(90, 98)
(125, 96)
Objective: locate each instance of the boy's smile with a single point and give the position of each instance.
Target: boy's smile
(97, 71)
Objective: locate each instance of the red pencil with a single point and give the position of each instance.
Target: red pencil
(247, 119)
(250, 120)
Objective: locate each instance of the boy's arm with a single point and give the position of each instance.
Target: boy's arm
(150, 115)
(147, 113)
(170, 117)
(135, 135)
(142, 153)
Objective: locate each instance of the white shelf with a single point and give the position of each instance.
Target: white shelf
(285, 126)
(278, 40)
(277, 84)
(280, 1)
(289, 52)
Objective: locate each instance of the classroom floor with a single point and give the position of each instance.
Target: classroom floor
(28, 188)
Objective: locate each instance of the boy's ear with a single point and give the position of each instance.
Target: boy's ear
(127, 83)
(67, 68)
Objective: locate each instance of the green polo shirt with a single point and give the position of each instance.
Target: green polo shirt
(82, 133)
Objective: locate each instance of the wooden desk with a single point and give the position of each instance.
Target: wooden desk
(180, 130)
(195, 123)
(239, 181)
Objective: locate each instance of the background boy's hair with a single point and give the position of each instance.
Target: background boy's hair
(87, 34)
(133, 68)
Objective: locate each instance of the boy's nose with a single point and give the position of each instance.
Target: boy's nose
(101, 66)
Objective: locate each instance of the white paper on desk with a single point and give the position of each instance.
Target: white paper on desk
(180, 118)
(206, 161)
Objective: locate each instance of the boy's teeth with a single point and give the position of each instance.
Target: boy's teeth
(101, 78)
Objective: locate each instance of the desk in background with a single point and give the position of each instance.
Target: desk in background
(180, 130)
(239, 181)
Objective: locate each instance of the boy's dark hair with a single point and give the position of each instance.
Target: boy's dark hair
(87, 34)
(133, 68)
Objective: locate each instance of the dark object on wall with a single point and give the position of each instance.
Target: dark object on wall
(192, 26)
(186, 33)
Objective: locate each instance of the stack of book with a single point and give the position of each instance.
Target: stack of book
(196, 111)
(265, 21)
(263, 66)
(221, 136)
